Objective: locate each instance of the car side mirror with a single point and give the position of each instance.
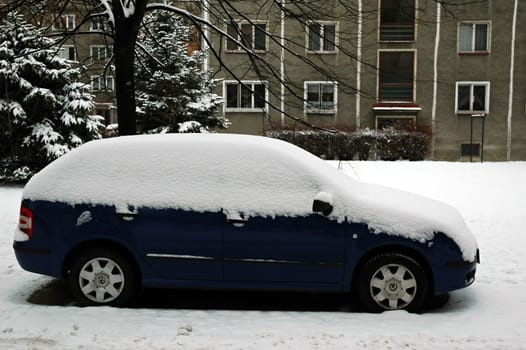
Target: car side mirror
(319, 206)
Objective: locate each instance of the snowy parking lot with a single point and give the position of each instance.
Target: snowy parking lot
(36, 312)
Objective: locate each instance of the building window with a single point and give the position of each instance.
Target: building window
(97, 25)
(396, 76)
(250, 35)
(67, 52)
(470, 150)
(101, 83)
(397, 20)
(396, 122)
(248, 96)
(473, 37)
(100, 52)
(321, 37)
(64, 23)
(320, 97)
(472, 97)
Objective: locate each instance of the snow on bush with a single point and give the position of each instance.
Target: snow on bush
(393, 144)
(385, 144)
(191, 126)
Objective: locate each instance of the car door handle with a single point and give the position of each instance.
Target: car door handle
(126, 216)
(237, 222)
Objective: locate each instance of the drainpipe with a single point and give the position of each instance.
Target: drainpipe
(206, 32)
(435, 80)
(359, 64)
(512, 75)
(282, 63)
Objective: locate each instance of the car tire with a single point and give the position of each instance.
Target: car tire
(392, 281)
(103, 276)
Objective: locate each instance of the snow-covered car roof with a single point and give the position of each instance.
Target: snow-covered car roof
(250, 175)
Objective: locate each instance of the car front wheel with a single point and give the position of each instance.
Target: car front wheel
(103, 277)
(392, 281)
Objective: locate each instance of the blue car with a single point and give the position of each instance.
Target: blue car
(234, 212)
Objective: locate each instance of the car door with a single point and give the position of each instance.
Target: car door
(177, 244)
(284, 250)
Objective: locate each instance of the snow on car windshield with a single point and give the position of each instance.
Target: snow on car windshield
(249, 175)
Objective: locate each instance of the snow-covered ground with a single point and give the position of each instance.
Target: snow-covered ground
(35, 312)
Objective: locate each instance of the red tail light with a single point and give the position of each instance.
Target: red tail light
(26, 221)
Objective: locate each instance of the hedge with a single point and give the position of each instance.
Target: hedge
(385, 144)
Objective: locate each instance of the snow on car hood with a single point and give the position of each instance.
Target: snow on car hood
(395, 212)
(246, 175)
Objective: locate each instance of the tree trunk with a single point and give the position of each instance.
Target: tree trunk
(126, 30)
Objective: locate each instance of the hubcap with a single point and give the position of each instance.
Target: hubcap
(393, 286)
(101, 280)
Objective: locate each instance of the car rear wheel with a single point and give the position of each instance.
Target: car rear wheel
(392, 281)
(103, 277)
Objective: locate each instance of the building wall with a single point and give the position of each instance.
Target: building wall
(450, 130)
(518, 122)
(453, 129)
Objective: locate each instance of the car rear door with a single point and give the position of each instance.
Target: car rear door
(177, 244)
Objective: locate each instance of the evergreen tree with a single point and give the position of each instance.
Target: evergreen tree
(44, 109)
(173, 93)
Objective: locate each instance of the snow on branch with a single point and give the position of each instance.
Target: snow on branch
(128, 7)
(108, 11)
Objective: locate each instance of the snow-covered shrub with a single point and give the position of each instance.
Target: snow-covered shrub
(111, 130)
(171, 88)
(324, 144)
(12, 171)
(44, 108)
(191, 127)
(361, 143)
(394, 144)
(390, 144)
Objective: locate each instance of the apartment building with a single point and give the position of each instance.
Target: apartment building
(455, 71)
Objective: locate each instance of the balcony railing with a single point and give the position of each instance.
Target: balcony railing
(396, 92)
(397, 32)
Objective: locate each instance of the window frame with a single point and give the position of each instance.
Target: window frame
(322, 49)
(64, 21)
(95, 23)
(109, 82)
(307, 109)
(473, 50)
(97, 58)
(251, 109)
(253, 25)
(472, 84)
(414, 81)
(63, 48)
